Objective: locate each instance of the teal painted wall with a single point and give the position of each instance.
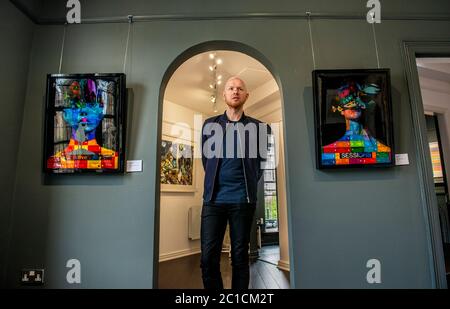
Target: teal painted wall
(16, 32)
(338, 219)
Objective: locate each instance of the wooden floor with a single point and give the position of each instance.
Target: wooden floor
(185, 272)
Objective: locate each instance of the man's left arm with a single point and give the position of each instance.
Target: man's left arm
(263, 156)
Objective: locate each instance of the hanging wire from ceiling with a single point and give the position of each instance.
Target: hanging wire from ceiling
(62, 48)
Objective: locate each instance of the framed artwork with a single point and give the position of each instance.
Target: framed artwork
(435, 153)
(85, 123)
(177, 165)
(353, 118)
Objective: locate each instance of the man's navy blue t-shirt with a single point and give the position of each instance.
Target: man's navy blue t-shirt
(230, 180)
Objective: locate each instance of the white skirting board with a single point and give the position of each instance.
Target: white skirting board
(284, 265)
(178, 254)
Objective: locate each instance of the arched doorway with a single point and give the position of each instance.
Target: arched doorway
(191, 90)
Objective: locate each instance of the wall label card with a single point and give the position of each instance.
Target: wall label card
(401, 159)
(134, 166)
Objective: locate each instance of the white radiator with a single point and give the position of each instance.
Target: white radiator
(194, 219)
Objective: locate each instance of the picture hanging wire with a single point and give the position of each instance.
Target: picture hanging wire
(308, 14)
(375, 38)
(62, 48)
(130, 22)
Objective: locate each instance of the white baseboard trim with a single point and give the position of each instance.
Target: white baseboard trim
(284, 265)
(178, 254)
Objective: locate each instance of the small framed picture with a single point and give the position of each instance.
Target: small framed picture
(85, 124)
(353, 118)
(177, 165)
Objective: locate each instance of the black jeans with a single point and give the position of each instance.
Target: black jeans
(213, 226)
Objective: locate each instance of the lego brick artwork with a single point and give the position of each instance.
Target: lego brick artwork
(177, 165)
(436, 162)
(353, 118)
(85, 123)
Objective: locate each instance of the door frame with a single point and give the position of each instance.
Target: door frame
(178, 61)
(412, 50)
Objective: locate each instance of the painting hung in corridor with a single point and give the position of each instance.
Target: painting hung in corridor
(353, 118)
(177, 165)
(436, 163)
(85, 123)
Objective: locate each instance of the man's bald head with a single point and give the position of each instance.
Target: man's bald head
(236, 78)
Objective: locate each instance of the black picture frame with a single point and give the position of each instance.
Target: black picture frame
(85, 124)
(353, 118)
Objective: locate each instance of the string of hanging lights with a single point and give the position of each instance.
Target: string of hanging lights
(216, 79)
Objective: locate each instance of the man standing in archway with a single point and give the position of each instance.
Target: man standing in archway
(232, 161)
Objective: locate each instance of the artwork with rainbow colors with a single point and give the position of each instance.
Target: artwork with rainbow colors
(353, 118)
(85, 123)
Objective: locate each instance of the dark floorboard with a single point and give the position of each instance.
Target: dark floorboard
(185, 272)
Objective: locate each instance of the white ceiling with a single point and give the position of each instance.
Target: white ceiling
(434, 75)
(189, 85)
(437, 64)
(434, 68)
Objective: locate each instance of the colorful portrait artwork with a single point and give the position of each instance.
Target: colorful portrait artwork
(436, 162)
(353, 118)
(177, 165)
(84, 124)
